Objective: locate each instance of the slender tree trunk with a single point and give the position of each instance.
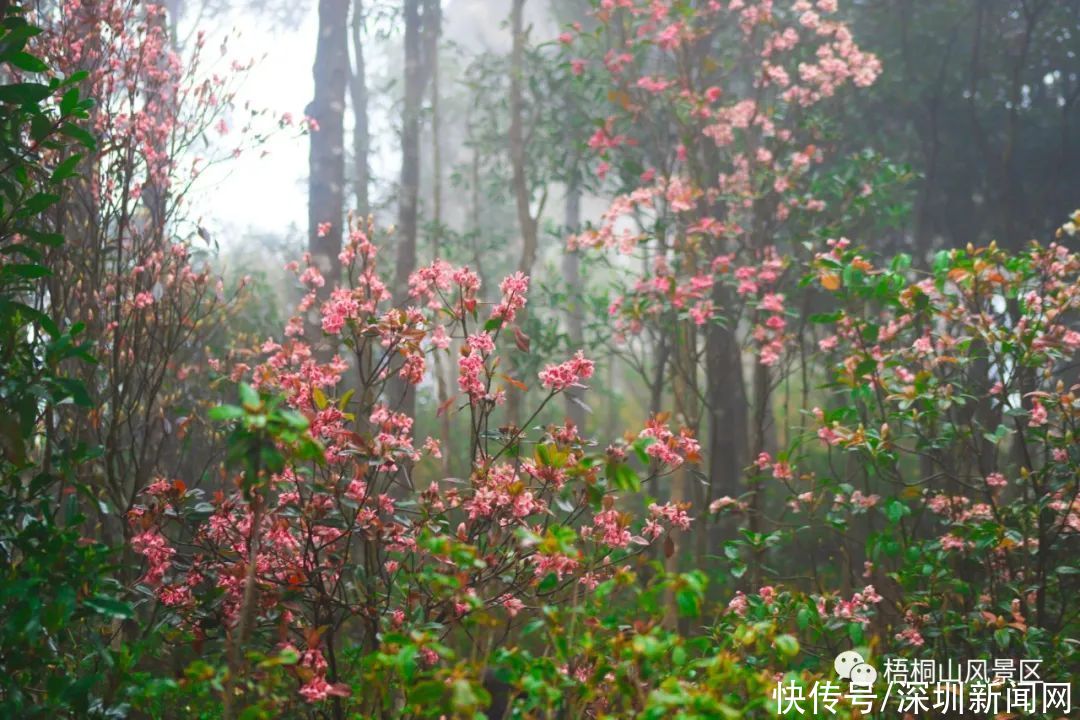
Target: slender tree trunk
(727, 406)
(417, 69)
(519, 181)
(410, 152)
(326, 160)
(686, 411)
(441, 369)
(522, 196)
(361, 133)
(762, 416)
(575, 313)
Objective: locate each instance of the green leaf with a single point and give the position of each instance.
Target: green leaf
(66, 169)
(895, 509)
(688, 603)
(787, 645)
(24, 93)
(248, 396)
(225, 413)
(69, 102)
(826, 318)
(105, 605)
(38, 204)
(640, 445)
(26, 61)
(77, 133)
(625, 478)
(27, 272)
(427, 693)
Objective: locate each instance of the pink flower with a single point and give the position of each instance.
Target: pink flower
(951, 542)
(316, 689)
(911, 636)
(772, 302)
(412, 370)
(781, 471)
(469, 369)
(671, 514)
(514, 289)
(1038, 415)
(512, 604)
(738, 604)
(570, 373)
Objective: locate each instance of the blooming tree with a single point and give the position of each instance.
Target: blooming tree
(718, 122)
(358, 554)
(954, 395)
(134, 270)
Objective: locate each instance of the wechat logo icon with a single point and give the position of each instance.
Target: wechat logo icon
(851, 666)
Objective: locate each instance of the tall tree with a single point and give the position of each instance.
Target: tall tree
(575, 312)
(326, 159)
(359, 95)
(527, 222)
(516, 136)
(422, 20)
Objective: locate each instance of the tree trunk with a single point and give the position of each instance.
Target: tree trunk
(326, 160)
(416, 75)
(684, 371)
(361, 133)
(441, 370)
(575, 313)
(410, 152)
(728, 422)
(522, 197)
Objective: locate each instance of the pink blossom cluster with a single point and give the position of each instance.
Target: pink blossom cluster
(668, 448)
(568, 374)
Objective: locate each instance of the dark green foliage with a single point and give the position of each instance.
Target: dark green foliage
(58, 603)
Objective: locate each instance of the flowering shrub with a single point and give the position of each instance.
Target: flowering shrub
(964, 373)
(716, 140)
(133, 271)
(739, 155)
(953, 395)
(354, 557)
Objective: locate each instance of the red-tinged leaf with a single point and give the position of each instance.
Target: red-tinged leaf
(521, 340)
(443, 408)
(516, 383)
(179, 486)
(312, 636)
(669, 547)
(339, 690)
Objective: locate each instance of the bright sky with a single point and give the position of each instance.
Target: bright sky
(265, 194)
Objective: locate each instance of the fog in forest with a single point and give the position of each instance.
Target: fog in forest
(539, 359)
